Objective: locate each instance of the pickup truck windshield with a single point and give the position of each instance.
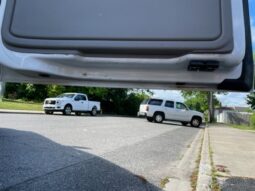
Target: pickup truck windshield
(66, 96)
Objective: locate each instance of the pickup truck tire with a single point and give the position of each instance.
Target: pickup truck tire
(196, 121)
(150, 119)
(158, 117)
(93, 111)
(67, 110)
(184, 123)
(48, 112)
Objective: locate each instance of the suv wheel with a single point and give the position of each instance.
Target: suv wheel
(67, 110)
(158, 117)
(195, 122)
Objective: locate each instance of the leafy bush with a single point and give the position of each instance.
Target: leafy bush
(252, 120)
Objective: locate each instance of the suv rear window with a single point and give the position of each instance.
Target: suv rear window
(155, 102)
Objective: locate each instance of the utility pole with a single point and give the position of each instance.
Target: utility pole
(211, 107)
(2, 90)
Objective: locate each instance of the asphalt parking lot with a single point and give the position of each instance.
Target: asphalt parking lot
(43, 152)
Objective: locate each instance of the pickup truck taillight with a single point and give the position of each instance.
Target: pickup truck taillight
(147, 108)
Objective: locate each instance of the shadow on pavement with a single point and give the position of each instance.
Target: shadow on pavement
(29, 161)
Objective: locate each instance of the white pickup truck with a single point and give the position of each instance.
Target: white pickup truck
(71, 102)
(159, 110)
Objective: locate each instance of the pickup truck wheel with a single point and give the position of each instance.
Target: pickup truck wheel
(195, 122)
(48, 112)
(150, 119)
(158, 117)
(67, 110)
(184, 123)
(93, 112)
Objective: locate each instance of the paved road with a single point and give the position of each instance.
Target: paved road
(41, 152)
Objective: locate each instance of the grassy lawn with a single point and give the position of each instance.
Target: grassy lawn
(20, 105)
(243, 127)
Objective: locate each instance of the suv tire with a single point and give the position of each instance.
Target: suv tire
(158, 117)
(196, 122)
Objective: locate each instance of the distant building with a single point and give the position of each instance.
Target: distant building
(233, 115)
(234, 108)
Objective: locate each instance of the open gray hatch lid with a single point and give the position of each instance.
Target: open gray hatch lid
(119, 26)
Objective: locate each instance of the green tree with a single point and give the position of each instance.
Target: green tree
(251, 100)
(133, 101)
(55, 90)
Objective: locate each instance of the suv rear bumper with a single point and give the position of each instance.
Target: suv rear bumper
(141, 114)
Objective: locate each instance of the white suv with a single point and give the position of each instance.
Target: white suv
(159, 110)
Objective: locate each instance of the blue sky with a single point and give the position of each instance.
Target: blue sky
(231, 99)
(252, 13)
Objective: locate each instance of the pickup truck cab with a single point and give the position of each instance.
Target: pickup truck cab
(158, 110)
(71, 102)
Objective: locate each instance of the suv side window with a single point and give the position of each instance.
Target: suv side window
(169, 104)
(157, 102)
(180, 106)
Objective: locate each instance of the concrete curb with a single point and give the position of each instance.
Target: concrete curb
(184, 169)
(205, 168)
(20, 111)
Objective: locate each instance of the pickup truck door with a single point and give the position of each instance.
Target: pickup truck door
(80, 103)
(84, 103)
(181, 112)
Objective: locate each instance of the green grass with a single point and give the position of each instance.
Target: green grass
(20, 105)
(243, 127)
